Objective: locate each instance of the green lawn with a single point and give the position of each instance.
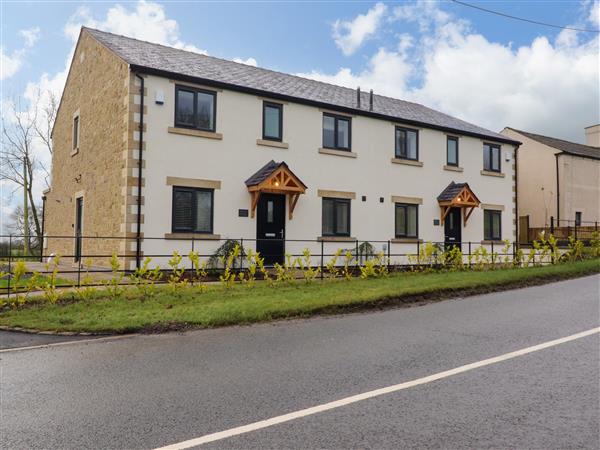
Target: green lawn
(238, 305)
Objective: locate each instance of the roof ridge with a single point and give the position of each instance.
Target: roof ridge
(552, 137)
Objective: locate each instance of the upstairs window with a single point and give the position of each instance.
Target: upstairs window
(336, 217)
(192, 210)
(452, 151)
(407, 222)
(272, 121)
(75, 132)
(407, 144)
(491, 157)
(336, 132)
(492, 225)
(195, 108)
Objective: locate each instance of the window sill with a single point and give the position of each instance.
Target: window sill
(490, 242)
(406, 241)
(453, 168)
(268, 143)
(330, 151)
(199, 236)
(407, 162)
(336, 239)
(489, 173)
(197, 133)
(74, 152)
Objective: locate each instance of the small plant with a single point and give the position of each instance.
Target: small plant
(331, 265)
(198, 268)
(381, 265)
(113, 285)
(519, 257)
(365, 252)
(86, 291)
(368, 269)
(347, 271)
(481, 258)
(308, 271)
(227, 278)
(506, 261)
(285, 273)
(252, 266)
(452, 258)
(575, 251)
(176, 278)
(260, 264)
(48, 283)
(595, 244)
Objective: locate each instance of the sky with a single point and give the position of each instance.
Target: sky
(480, 67)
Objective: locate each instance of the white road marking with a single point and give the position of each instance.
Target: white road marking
(75, 341)
(370, 394)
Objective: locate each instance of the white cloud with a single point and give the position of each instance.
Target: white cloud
(147, 22)
(550, 87)
(248, 61)
(10, 64)
(30, 35)
(349, 35)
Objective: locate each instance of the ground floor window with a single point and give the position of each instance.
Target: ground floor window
(577, 218)
(336, 217)
(407, 222)
(192, 210)
(492, 225)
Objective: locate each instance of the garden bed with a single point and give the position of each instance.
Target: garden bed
(215, 305)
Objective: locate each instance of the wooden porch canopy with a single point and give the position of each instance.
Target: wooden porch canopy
(458, 195)
(275, 178)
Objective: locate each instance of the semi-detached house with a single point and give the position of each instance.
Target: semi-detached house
(156, 142)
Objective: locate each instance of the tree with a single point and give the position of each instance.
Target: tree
(26, 135)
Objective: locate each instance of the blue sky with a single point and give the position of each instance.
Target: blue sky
(480, 67)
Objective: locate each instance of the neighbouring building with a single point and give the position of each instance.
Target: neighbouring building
(156, 142)
(558, 179)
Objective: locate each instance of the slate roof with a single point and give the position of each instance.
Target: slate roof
(451, 191)
(161, 60)
(571, 148)
(264, 172)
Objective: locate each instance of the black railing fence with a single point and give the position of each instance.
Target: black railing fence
(96, 253)
(562, 229)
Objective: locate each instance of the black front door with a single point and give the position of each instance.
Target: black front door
(78, 227)
(453, 228)
(270, 228)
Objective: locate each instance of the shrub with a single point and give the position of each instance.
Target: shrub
(365, 252)
(575, 251)
(86, 290)
(452, 258)
(48, 282)
(347, 271)
(227, 278)
(260, 264)
(199, 269)
(331, 265)
(223, 253)
(595, 244)
(305, 263)
(113, 285)
(285, 273)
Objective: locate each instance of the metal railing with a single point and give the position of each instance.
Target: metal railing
(72, 269)
(563, 228)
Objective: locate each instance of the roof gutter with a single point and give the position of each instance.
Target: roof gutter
(138, 246)
(290, 98)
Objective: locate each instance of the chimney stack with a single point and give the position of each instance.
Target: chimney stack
(358, 97)
(592, 135)
(371, 100)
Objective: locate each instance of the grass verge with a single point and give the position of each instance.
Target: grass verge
(241, 305)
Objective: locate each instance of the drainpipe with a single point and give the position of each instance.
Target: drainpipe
(138, 247)
(517, 192)
(557, 193)
(43, 226)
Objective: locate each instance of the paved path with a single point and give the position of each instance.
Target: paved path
(151, 391)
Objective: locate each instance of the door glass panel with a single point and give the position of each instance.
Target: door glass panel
(270, 211)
